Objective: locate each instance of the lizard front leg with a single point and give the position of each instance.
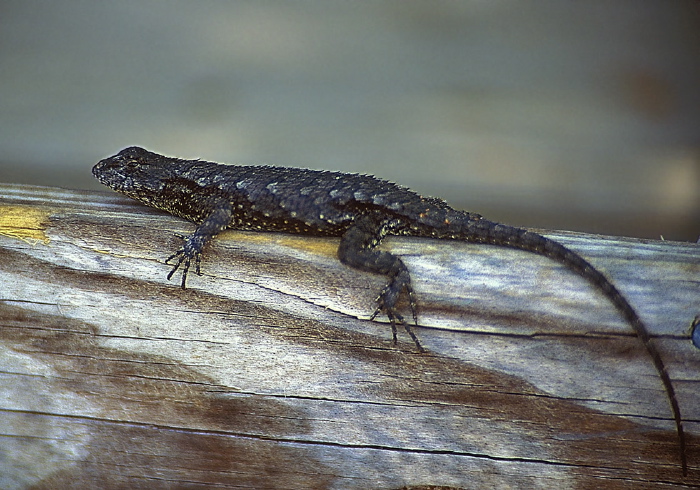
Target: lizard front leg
(194, 244)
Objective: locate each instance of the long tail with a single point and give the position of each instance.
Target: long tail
(483, 231)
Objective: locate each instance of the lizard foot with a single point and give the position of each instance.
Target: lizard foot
(386, 302)
(190, 250)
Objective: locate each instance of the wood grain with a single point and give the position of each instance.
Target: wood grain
(266, 372)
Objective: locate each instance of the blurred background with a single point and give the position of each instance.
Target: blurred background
(544, 113)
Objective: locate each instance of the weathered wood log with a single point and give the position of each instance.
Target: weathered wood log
(267, 373)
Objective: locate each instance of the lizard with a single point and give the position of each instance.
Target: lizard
(360, 209)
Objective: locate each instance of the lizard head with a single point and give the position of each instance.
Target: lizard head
(133, 171)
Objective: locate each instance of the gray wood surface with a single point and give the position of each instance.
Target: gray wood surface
(266, 372)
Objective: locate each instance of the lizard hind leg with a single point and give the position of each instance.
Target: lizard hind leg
(357, 250)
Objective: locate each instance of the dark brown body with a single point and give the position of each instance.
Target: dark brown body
(361, 209)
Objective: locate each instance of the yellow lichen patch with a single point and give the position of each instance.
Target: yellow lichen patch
(320, 246)
(316, 245)
(24, 223)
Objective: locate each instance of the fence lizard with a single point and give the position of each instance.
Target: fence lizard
(360, 209)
